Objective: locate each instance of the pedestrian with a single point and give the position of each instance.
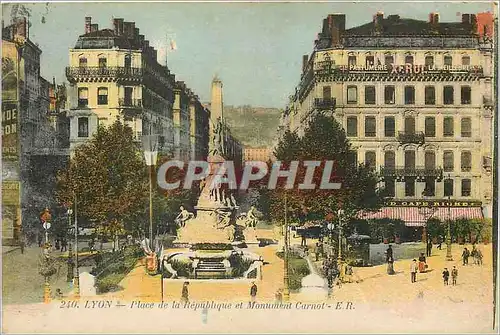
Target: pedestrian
(465, 257)
(22, 243)
(390, 266)
(64, 245)
(185, 292)
(473, 254)
(303, 241)
(454, 275)
(317, 250)
(389, 253)
(446, 275)
(429, 247)
(253, 291)
(479, 256)
(279, 295)
(57, 244)
(440, 242)
(422, 263)
(40, 239)
(413, 271)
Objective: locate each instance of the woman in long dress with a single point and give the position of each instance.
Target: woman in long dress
(390, 265)
(421, 263)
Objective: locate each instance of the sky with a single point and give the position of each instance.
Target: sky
(255, 48)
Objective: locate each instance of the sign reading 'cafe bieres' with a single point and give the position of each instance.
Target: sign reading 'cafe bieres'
(432, 203)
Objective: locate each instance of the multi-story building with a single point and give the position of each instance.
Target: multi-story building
(262, 154)
(31, 152)
(416, 101)
(115, 75)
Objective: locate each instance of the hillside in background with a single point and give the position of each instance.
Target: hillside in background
(253, 126)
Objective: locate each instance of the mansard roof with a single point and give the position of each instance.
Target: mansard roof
(394, 25)
(106, 39)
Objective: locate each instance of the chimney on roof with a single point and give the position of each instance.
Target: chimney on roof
(120, 26)
(88, 23)
(94, 27)
(115, 26)
(136, 34)
(146, 44)
(141, 41)
(434, 18)
(336, 26)
(470, 19)
(466, 18)
(377, 22)
(129, 29)
(305, 59)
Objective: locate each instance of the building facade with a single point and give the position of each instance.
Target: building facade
(28, 135)
(416, 101)
(115, 75)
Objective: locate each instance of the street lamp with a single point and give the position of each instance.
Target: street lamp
(71, 264)
(449, 257)
(286, 289)
(340, 215)
(77, 274)
(150, 147)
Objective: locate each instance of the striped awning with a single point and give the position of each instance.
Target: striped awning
(414, 218)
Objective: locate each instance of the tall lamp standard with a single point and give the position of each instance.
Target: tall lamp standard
(70, 250)
(77, 274)
(449, 257)
(150, 148)
(340, 215)
(286, 289)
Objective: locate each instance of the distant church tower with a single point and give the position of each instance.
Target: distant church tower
(216, 104)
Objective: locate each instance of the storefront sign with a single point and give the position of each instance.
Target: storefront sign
(9, 130)
(432, 203)
(10, 193)
(410, 69)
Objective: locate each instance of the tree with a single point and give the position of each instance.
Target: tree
(324, 140)
(108, 177)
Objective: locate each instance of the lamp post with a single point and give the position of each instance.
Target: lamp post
(286, 289)
(340, 215)
(77, 274)
(71, 264)
(449, 257)
(150, 147)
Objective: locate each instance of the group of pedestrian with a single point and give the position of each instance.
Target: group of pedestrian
(454, 275)
(61, 244)
(476, 255)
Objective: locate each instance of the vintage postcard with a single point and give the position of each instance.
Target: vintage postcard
(249, 167)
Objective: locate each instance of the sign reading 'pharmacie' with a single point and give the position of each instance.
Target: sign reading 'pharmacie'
(432, 203)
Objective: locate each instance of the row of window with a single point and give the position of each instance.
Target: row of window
(430, 187)
(409, 59)
(429, 160)
(102, 96)
(409, 126)
(103, 62)
(409, 95)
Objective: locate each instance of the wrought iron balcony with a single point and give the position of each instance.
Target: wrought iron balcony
(411, 137)
(130, 103)
(88, 73)
(417, 172)
(325, 103)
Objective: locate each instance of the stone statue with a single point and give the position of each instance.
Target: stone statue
(223, 218)
(218, 139)
(233, 201)
(183, 216)
(251, 219)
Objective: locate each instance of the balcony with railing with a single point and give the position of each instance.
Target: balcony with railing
(411, 137)
(411, 172)
(130, 103)
(324, 103)
(88, 73)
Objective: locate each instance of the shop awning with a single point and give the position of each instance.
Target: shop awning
(412, 216)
